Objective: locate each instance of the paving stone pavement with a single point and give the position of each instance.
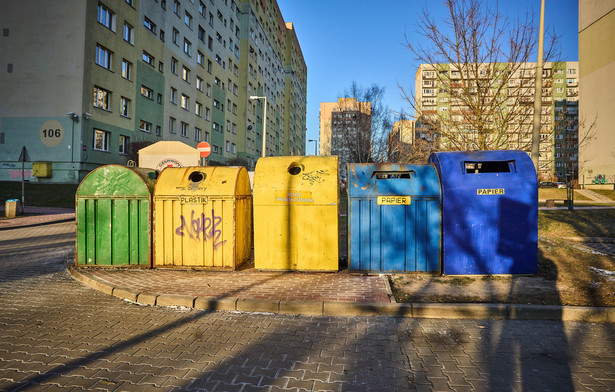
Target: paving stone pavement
(56, 335)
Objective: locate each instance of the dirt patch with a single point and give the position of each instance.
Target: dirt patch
(568, 274)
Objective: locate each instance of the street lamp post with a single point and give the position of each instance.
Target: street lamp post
(75, 117)
(315, 145)
(252, 98)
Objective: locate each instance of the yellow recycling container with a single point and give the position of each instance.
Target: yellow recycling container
(202, 217)
(295, 213)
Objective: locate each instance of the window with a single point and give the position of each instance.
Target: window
(234, 129)
(200, 58)
(184, 129)
(175, 36)
(148, 58)
(174, 65)
(199, 84)
(217, 104)
(103, 57)
(228, 126)
(234, 89)
(145, 126)
(159, 98)
(228, 146)
(197, 134)
(158, 130)
(233, 148)
(186, 74)
(187, 47)
(126, 69)
(176, 7)
(129, 33)
(185, 102)
(101, 98)
(162, 35)
(199, 109)
(171, 125)
(106, 18)
(147, 92)
(208, 90)
(202, 8)
(151, 26)
(123, 147)
(160, 67)
(201, 34)
(216, 127)
(206, 137)
(173, 95)
(101, 140)
(210, 43)
(188, 19)
(207, 114)
(209, 66)
(125, 107)
(129, 2)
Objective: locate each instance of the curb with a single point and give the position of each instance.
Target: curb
(351, 309)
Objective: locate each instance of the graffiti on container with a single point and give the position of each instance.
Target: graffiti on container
(315, 176)
(201, 225)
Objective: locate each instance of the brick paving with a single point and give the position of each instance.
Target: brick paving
(57, 334)
(250, 284)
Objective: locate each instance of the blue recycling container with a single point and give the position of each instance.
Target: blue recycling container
(489, 212)
(394, 218)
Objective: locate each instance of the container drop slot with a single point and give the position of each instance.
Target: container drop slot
(196, 176)
(474, 167)
(393, 175)
(294, 168)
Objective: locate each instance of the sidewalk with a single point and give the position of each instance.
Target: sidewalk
(34, 216)
(306, 293)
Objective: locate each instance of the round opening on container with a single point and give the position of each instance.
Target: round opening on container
(196, 176)
(295, 168)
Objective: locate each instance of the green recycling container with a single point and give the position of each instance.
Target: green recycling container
(114, 217)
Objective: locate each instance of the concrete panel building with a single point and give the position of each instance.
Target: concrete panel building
(345, 130)
(84, 82)
(596, 92)
(514, 93)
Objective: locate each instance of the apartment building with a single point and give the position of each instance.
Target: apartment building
(345, 130)
(597, 97)
(400, 141)
(449, 98)
(86, 81)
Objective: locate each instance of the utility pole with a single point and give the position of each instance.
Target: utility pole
(538, 90)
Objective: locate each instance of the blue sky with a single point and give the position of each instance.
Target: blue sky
(362, 40)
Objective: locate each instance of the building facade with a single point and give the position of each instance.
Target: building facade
(345, 131)
(597, 100)
(400, 141)
(109, 76)
(445, 96)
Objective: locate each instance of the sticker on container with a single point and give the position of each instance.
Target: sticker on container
(293, 197)
(394, 200)
(493, 191)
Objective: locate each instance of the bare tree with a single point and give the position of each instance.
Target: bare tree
(475, 60)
